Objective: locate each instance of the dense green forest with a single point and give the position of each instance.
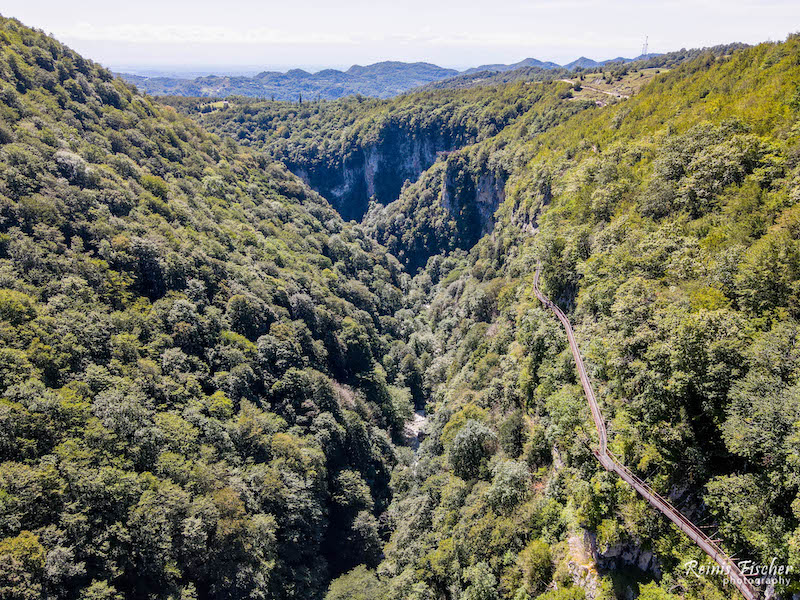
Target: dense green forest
(205, 370)
(201, 373)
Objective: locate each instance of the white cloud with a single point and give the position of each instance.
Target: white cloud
(201, 34)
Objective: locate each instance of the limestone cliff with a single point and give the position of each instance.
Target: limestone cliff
(376, 171)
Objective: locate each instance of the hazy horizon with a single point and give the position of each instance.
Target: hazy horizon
(309, 34)
(203, 70)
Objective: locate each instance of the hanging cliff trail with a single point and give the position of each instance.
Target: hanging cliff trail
(611, 463)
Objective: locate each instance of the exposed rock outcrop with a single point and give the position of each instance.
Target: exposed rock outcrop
(376, 171)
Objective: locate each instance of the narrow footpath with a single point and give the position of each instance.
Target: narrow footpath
(611, 463)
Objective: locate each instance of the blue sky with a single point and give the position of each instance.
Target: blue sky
(249, 35)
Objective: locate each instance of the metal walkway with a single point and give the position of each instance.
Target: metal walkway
(610, 463)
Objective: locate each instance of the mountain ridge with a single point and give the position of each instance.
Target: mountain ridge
(381, 80)
(526, 62)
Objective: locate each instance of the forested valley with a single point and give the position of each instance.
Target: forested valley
(217, 318)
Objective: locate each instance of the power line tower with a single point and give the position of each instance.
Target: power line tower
(645, 46)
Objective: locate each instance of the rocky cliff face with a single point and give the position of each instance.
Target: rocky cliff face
(472, 203)
(587, 561)
(452, 205)
(376, 171)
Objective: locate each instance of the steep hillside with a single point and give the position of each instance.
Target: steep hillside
(452, 205)
(668, 226)
(200, 372)
(380, 80)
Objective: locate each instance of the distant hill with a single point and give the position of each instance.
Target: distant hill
(528, 62)
(381, 80)
(616, 68)
(588, 63)
(582, 63)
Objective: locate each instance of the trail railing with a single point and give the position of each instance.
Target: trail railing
(611, 463)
